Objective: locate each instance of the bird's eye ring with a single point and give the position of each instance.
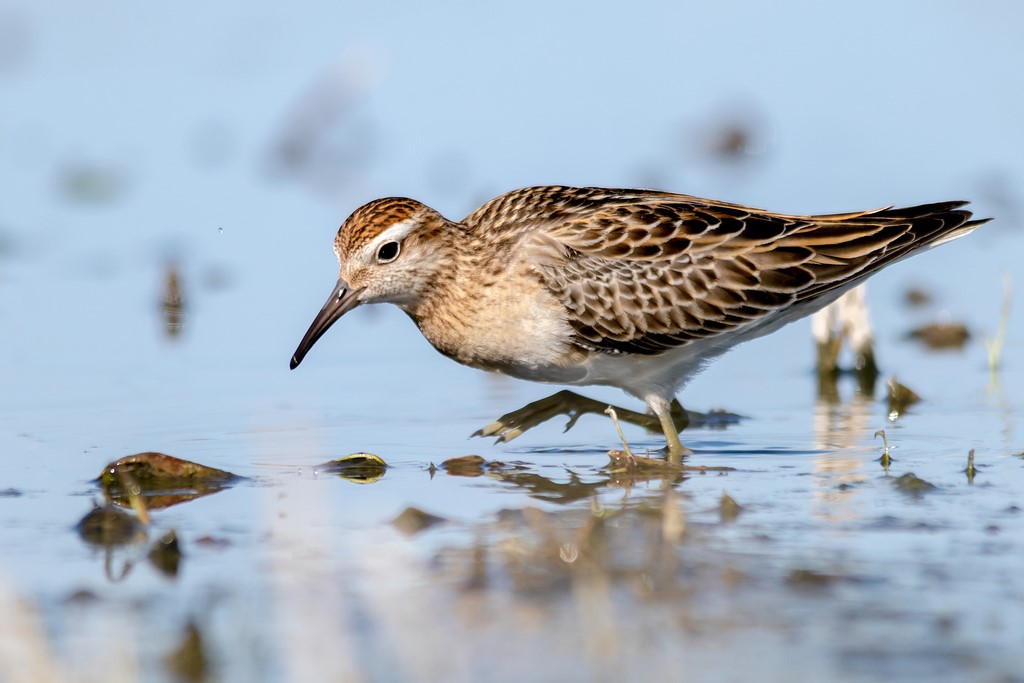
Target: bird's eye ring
(387, 252)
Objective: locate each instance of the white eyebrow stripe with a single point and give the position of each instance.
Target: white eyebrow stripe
(395, 233)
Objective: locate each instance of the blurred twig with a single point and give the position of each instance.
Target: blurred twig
(995, 345)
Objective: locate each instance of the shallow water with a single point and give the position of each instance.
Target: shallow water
(124, 165)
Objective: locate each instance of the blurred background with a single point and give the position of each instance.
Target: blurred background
(228, 142)
(172, 176)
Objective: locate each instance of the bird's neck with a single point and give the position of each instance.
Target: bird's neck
(465, 264)
(465, 289)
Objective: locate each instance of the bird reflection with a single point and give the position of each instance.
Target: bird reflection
(839, 426)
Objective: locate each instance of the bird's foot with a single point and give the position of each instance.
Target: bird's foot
(675, 453)
(565, 402)
(675, 450)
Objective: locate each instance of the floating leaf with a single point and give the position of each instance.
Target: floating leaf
(465, 466)
(359, 468)
(162, 480)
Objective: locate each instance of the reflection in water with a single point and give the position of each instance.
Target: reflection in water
(995, 345)
(644, 587)
(107, 526)
(995, 395)
(546, 489)
(900, 397)
(150, 481)
(468, 466)
(622, 471)
(412, 521)
(144, 482)
(165, 554)
(359, 468)
(190, 660)
(839, 426)
(578, 593)
(118, 534)
(173, 303)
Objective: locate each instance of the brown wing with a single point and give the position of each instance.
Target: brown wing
(644, 272)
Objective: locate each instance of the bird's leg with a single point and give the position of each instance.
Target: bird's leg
(565, 402)
(845, 320)
(675, 448)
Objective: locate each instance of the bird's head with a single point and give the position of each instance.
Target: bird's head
(388, 251)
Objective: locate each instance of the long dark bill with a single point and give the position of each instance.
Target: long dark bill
(342, 300)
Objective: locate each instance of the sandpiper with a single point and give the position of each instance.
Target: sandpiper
(636, 289)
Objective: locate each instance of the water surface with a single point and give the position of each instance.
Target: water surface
(229, 164)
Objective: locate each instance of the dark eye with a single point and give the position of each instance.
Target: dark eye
(387, 252)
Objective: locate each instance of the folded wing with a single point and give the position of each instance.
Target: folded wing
(642, 272)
